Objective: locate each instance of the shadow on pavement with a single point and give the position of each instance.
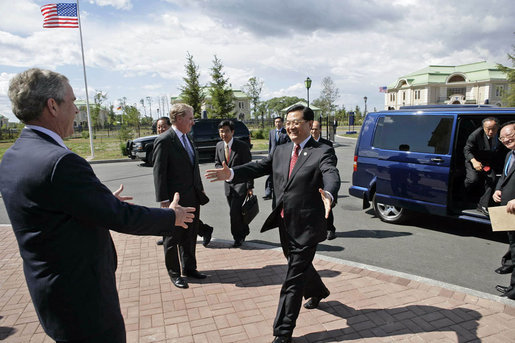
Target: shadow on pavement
(6, 331)
(378, 322)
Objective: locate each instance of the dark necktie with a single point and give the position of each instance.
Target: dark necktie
(188, 148)
(511, 163)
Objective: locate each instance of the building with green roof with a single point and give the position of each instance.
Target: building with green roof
(474, 83)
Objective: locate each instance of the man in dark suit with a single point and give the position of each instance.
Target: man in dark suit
(234, 153)
(306, 183)
(276, 136)
(505, 195)
(483, 160)
(61, 215)
(176, 169)
(316, 134)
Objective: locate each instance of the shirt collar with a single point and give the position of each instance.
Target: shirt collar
(48, 132)
(178, 132)
(230, 143)
(302, 144)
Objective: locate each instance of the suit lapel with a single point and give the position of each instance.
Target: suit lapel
(232, 152)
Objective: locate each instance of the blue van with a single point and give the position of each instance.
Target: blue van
(412, 160)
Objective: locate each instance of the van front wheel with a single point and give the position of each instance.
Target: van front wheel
(389, 213)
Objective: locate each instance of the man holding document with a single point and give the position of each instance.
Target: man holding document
(505, 195)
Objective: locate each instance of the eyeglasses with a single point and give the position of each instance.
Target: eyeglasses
(295, 123)
(507, 138)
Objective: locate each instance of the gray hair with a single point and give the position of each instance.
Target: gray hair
(30, 90)
(179, 110)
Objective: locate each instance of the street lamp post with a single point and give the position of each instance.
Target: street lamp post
(365, 113)
(308, 86)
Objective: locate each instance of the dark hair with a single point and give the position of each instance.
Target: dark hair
(166, 120)
(490, 119)
(278, 117)
(226, 123)
(307, 113)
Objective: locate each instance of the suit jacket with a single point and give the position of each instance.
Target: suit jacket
(173, 171)
(240, 154)
(61, 215)
(272, 143)
(325, 141)
(507, 183)
(298, 195)
(478, 147)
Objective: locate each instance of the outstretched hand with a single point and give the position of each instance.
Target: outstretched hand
(219, 174)
(183, 215)
(120, 197)
(326, 198)
(510, 206)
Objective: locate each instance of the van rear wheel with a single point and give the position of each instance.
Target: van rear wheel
(389, 213)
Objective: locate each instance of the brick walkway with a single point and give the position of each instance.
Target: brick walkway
(237, 302)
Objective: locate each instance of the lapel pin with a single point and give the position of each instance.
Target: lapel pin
(305, 153)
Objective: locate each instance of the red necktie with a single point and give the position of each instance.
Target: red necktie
(293, 160)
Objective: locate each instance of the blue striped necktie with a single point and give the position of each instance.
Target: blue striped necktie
(188, 148)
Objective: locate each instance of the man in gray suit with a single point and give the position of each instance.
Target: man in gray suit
(176, 170)
(276, 136)
(61, 216)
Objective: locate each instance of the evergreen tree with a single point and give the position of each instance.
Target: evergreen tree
(191, 92)
(222, 96)
(509, 96)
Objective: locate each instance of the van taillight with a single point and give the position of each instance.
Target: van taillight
(355, 164)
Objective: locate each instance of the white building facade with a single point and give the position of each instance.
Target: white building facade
(475, 83)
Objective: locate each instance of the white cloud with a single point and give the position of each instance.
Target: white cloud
(119, 4)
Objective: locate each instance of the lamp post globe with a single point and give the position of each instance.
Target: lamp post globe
(307, 83)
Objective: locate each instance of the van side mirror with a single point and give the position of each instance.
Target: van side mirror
(404, 147)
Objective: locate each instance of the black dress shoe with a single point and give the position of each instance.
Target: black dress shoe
(267, 197)
(237, 243)
(313, 302)
(159, 242)
(503, 289)
(179, 282)
(483, 210)
(195, 274)
(331, 235)
(282, 339)
(207, 237)
(504, 270)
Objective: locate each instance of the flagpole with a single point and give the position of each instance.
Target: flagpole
(86, 85)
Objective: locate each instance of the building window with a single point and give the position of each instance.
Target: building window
(453, 91)
(499, 91)
(241, 104)
(403, 96)
(417, 95)
(456, 78)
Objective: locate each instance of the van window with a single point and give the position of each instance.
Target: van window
(426, 134)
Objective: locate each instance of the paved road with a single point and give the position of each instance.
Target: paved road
(451, 251)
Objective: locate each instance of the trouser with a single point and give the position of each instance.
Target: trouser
(239, 229)
(115, 334)
(269, 186)
(302, 280)
(511, 240)
(330, 222)
(180, 249)
(481, 183)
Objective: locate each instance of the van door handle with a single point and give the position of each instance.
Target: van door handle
(437, 159)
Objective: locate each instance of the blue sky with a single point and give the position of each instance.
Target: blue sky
(137, 48)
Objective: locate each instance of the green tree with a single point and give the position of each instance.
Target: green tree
(98, 99)
(253, 90)
(275, 105)
(132, 117)
(222, 96)
(328, 96)
(191, 92)
(509, 96)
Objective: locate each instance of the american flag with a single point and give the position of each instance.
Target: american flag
(60, 15)
(383, 89)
